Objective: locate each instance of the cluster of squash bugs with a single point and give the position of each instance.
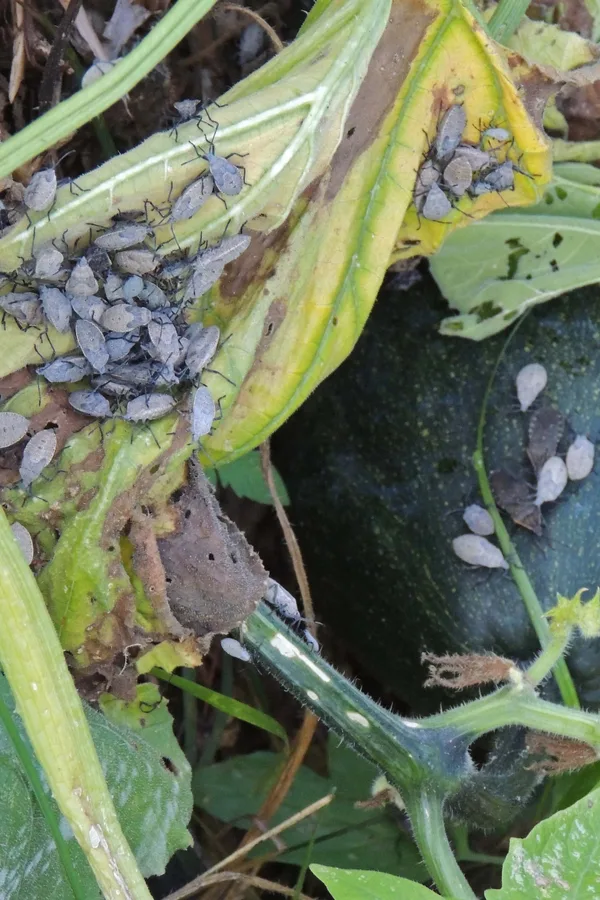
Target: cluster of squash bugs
(138, 356)
(552, 470)
(454, 168)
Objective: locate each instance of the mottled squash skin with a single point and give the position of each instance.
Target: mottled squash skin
(378, 464)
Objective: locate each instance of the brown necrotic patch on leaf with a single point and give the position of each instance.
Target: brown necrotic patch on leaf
(214, 578)
(388, 69)
(13, 383)
(149, 569)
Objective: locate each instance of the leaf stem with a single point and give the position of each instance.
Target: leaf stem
(25, 758)
(48, 703)
(506, 19)
(518, 705)
(520, 577)
(87, 103)
(425, 811)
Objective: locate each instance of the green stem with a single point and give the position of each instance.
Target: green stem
(506, 19)
(552, 653)
(87, 103)
(25, 758)
(520, 577)
(51, 711)
(425, 811)
(518, 705)
(190, 721)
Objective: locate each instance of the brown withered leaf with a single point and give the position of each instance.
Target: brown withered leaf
(458, 671)
(214, 578)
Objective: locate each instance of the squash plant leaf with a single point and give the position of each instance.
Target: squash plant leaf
(559, 858)
(357, 884)
(496, 269)
(149, 780)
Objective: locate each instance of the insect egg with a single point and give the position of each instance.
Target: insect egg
(478, 520)
(580, 458)
(531, 381)
(478, 551)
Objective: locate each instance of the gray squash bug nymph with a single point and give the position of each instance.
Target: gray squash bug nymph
(91, 403)
(38, 453)
(24, 540)
(450, 131)
(192, 198)
(133, 287)
(13, 428)
(552, 481)
(478, 520)
(235, 649)
(478, 551)
(148, 407)
(82, 280)
(113, 288)
(500, 135)
(121, 237)
(124, 317)
(25, 307)
(502, 178)
(227, 177)
(477, 159)
(436, 205)
(41, 190)
(226, 251)
(153, 296)
(165, 341)
(202, 347)
(282, 601)
(48, 261)
(92, 344)
(203, 413)
(458, 176)
(429, 174)
(118, 347)
(65, 369)
(57, 308)
(99, 261)
(137, 262)
(580, 458)
(201, 280)
(91, 308)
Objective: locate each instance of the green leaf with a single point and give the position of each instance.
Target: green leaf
(356, 884)
(234, 790)
(244, 476)
(547, 44)
(559, 858)
(495, 269)
(149, 780)
(234, 708)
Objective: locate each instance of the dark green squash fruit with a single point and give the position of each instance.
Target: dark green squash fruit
(378, 466)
